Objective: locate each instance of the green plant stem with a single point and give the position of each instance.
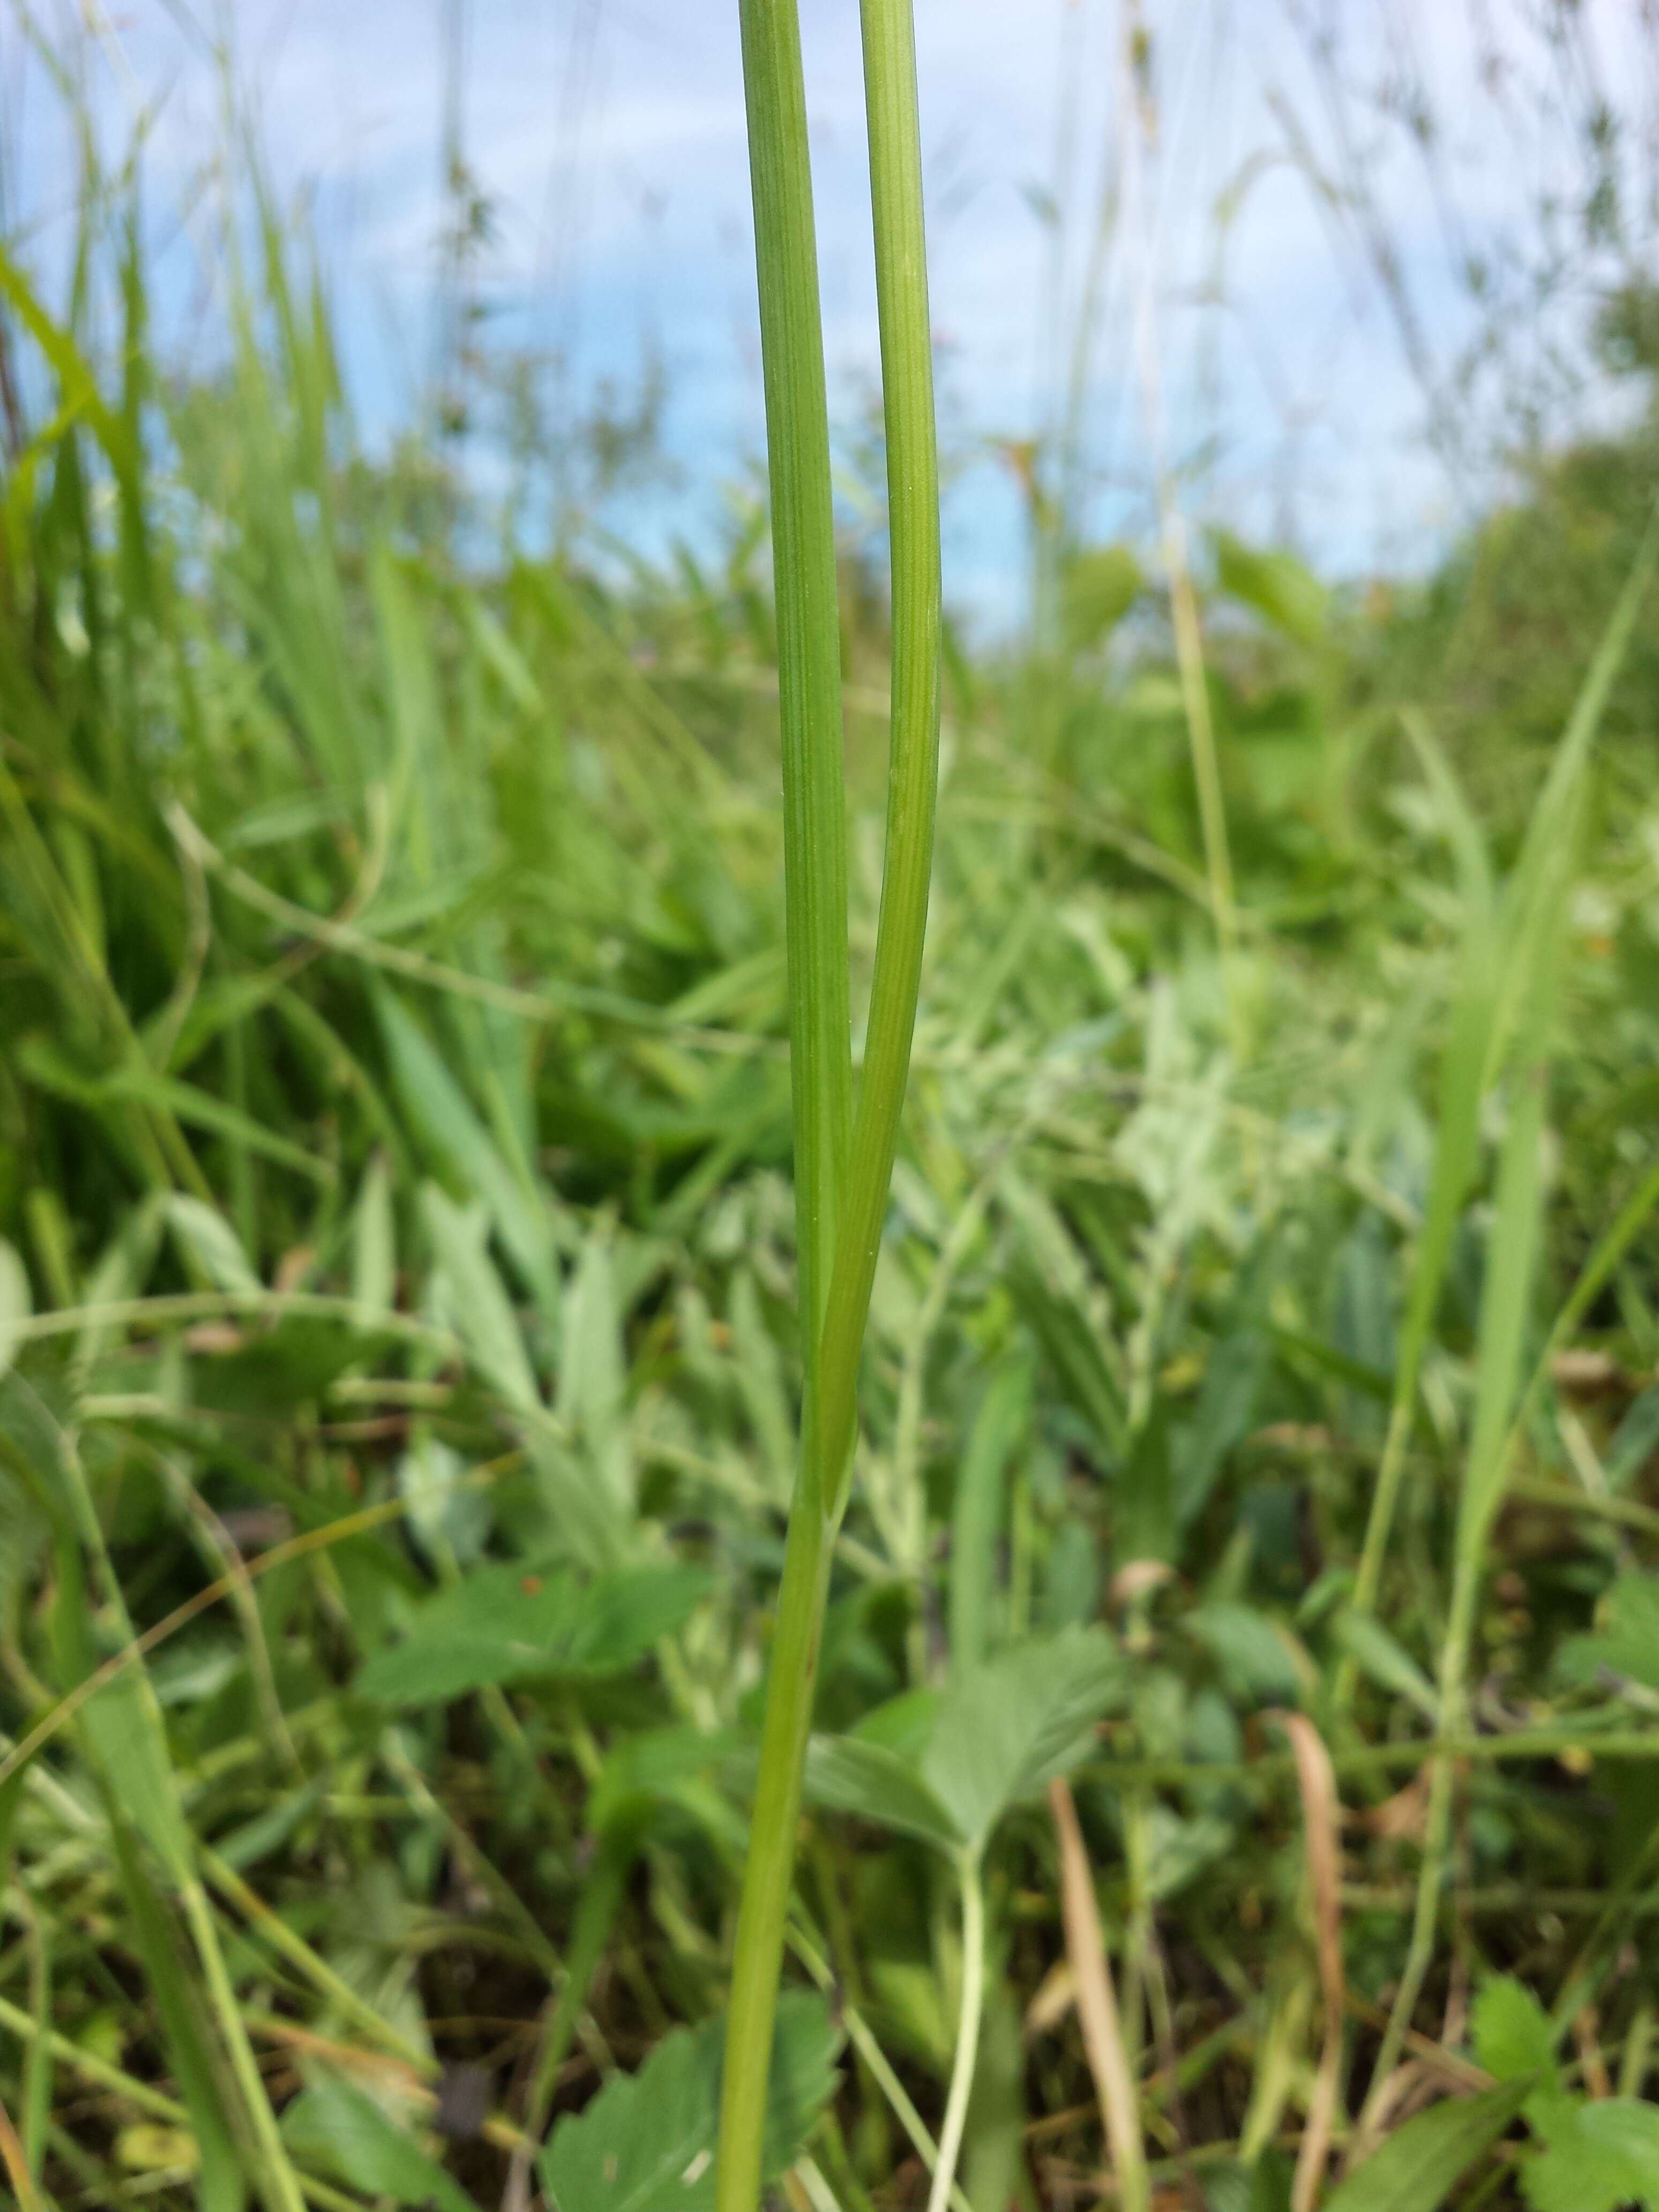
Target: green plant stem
(907, 371)
(812, 1955)
(838, 1226)
(973, 2005)
(768, 1875)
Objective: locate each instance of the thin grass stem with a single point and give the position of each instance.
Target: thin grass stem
(841, 1194)
(973, 2007)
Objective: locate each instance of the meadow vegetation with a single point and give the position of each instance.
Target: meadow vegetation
(1254, 1508)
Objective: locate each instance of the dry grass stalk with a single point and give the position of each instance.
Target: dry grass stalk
(1103, 2031)
(1320, 1818)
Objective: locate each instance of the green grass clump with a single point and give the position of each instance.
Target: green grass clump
(417, 1274)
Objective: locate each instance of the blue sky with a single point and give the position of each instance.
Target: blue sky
(608, 134)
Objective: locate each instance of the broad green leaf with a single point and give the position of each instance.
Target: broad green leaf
(904, 1724)
(15, 1302)
(1005, 1728)
(598, 1531)
(334, 2126)
(625, 1613)
(646, 2143)
(503, 1624)
(1416, 2168)
(1600, 2157)
(846, 1776)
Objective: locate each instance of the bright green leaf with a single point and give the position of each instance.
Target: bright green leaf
(1600, 2157)
(1416, 2167)
(1511, 2033)
(1005, 1728)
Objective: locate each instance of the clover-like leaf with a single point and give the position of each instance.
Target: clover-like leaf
(1600, 2157)
(646, 2143)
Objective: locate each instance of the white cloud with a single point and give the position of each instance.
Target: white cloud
(610, 134)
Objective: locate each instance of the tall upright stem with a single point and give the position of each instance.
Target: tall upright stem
(1172, 529)
(841, 1197)
(907, 381)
